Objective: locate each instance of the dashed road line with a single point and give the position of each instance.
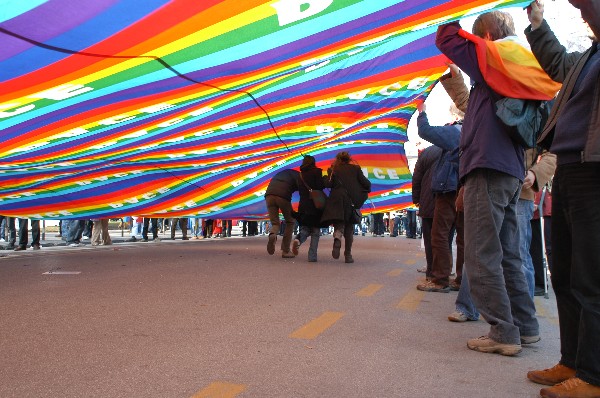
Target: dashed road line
(368, 291)
(411, 300)
(395, 272)
(220, 389)
(317, 326)
(410, 261)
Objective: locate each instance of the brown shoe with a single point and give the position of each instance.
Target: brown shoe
(430, 286)
(571, 388)
(549, 377)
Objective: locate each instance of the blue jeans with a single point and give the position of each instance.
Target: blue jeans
(524, 216)
(576, 266)
(464, 302)
(74, 230)
(492, 260)
(315, 234)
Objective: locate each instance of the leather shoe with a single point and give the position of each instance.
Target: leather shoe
(571, 388)
(554, 375)
(19, 248)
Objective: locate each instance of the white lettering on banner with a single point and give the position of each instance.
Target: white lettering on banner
(201, 111)
(14, 112)
(325, 129)
(175, 139)
(359, 95)
(386, 89)
(62, 92)
(417, 83)
(176, 155)
(229, 126)
(203, 132)
(70, 133)
(325, 102)
(136, 134)
(260, 193)
(381, 174)
(29, 147)
(115, 120)
(378, 173)
(156, 108)
(317, 66)
(172, 122)
(290, 11)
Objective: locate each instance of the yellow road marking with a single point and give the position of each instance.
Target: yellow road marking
(395, 272)
(220, 389)
(411, 300)
(369, 290)
(317, 325)
(410, 261)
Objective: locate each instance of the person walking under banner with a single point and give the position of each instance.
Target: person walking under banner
(349, 191)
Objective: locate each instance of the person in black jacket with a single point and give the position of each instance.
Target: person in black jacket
(349, 191)
(573, 134)
(278, 197)
(422, 197)
(309, 217)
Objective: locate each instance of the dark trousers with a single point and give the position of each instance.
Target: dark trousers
(378, 225)
(444, 217)
(426, 223)
(537, 252)
(11, 232)
(576, 266)
(153, 222)
(460, 244)
(24, 232)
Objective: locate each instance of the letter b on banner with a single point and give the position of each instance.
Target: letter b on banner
(289, 11)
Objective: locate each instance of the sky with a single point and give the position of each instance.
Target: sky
(564, 20)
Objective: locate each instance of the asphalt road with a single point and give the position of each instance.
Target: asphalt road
(222, 318)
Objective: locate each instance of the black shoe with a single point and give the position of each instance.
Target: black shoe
(10, 247)
(185, 238)
(19, 248)
(144, 239)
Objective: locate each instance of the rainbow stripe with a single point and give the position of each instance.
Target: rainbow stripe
(187, 107)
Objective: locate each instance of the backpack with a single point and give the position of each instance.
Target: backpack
(525, 118)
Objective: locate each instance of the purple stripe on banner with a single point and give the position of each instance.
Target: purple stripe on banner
(72, 14)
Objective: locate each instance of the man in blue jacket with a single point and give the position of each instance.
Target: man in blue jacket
(444, 186)
(492, 171)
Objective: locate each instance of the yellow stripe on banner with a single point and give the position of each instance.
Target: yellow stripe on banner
(411, 301)
(220, 389)
(317, 326)
(410, 261)
(395, 272)
(369, 290)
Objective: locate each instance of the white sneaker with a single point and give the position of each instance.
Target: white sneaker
(2, 240)
(157, 239)
(73, 244)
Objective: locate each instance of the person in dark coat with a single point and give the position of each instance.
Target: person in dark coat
(349, 191)
(278, 197)
(309, 217)
(422, 196)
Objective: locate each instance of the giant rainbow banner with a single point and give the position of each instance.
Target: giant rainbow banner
(188, 107)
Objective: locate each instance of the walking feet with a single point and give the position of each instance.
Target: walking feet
(348, 258)
(459, 316)
(271, 244)
(337, 244)
(486, 344)
(295, 247)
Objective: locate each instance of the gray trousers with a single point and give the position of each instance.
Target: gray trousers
(498, 285)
